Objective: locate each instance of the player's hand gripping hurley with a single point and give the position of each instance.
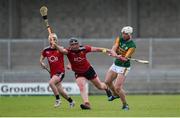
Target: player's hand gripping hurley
(44, 12)
(137, 60)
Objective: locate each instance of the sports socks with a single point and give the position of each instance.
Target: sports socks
(124, 104)
(69, 99)
(57, 97)
(108, 92)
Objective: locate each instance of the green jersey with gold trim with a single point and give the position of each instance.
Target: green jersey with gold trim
(124, 46)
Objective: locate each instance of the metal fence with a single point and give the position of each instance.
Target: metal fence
(19, 62)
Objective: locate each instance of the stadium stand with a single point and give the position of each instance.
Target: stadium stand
(91, 19)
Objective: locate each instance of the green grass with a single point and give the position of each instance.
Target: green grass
(140, 105)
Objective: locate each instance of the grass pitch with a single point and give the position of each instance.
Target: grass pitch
(140, 105)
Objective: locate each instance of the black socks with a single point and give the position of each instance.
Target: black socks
(57, 97)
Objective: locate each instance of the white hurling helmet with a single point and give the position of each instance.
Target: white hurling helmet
(127, 29)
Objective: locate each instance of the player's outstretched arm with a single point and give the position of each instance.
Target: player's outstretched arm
(60, 48)
(114, 54)
(114, 48)
(100, 49)
(113, 51)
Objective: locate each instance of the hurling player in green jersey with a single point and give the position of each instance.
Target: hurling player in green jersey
(122, 49)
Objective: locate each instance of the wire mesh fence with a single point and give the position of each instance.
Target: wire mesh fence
(19, 62)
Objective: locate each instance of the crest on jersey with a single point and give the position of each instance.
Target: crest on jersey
(47, 52)
(53, 59)
(126, 48)
(78, 59)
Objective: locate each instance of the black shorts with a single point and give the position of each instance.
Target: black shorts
(89, 74)
(60, 76)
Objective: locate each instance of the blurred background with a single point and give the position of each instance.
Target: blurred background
(95, 22)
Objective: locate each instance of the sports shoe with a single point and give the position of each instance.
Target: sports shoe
(57, 103)
(111, 98)
(125, 107)
(85, 106)
(72, 104)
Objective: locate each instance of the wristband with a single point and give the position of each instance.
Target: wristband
(104, 50)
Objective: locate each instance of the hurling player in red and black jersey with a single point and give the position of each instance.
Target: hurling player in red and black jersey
(83, 69)
(56, 62)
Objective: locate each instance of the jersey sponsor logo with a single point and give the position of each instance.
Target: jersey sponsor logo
(78, 59)
(53, 59)
(47, 52)
(123, 45)
(126, 48)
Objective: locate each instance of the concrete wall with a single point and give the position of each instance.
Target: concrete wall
(159, 18)
(4, 19)
(89, 18)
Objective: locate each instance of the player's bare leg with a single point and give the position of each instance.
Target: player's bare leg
(110, 76)
(119, 89)
(101, 85)
(81, 82)
(64, 94)
(61, 90)
(52, 84)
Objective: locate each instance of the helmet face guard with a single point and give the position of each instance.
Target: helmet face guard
(73, 41)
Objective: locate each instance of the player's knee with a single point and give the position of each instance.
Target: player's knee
(51, 83)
